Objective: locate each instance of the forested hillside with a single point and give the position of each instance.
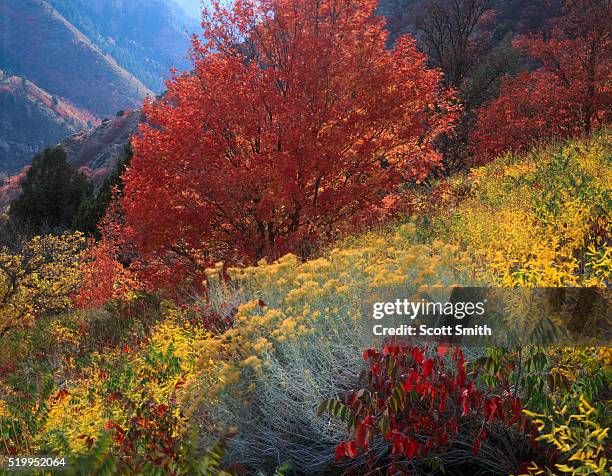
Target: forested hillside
(32, 119)
(80, 72)
(145, 37)
(93, 58)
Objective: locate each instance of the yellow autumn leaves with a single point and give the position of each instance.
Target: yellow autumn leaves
(540, 220)
(38, 276)
(575, 435)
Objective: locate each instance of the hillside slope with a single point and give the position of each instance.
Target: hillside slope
(102, 146)
(533, 220)
(287, 335)
(146, 37)
(513, 16)
(192, 7)
(41, 45)
(31, 118)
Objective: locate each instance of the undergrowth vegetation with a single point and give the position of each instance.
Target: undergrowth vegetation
(265, 370)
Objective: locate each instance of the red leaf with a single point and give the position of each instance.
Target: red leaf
(360, 434)
(411, 447)
(114, 396)
(340, 451)
(417, 355)
(427, 367)
(351, 449)
(63, 393)
(442, 349)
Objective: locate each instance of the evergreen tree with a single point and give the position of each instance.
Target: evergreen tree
(53, 192)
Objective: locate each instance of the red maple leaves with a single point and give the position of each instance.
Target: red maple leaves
(568, 94)
(295, 121)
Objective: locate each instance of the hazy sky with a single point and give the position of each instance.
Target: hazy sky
(191, 6)
(194, 7)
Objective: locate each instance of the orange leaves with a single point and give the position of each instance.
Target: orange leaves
(104, 278)
(104, 275)
(296, 122)
(61, 395)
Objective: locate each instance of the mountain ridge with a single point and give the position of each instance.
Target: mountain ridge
(40, 46)
(145, 37)
(32, 118)
(98, 73)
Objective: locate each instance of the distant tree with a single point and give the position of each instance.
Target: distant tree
(453, 34)
(567, 94)
(52, 192)
(457, 35)
(484, 82)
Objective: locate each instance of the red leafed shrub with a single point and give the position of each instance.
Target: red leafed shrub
(419, 405)
(567, 95)
(296, 121)
(106, 274)
(149, 436)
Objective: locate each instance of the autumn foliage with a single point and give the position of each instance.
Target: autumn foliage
(104, 269)
(38, 278)
(420, 405)
(566, 95)
(296, 120)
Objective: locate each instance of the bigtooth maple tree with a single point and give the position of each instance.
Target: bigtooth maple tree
(295, 120)
(568, 94)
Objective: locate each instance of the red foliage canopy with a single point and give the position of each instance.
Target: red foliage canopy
(295, 120)
(567, 95)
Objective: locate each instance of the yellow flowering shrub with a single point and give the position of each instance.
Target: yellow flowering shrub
(98, 394)
(289, 300)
